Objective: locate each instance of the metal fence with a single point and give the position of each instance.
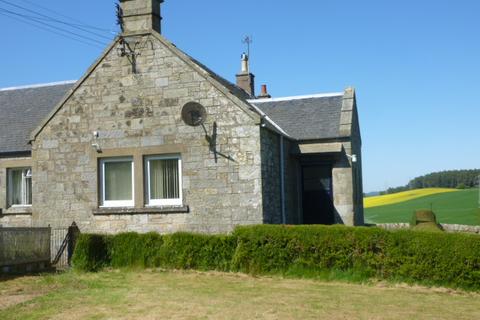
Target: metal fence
(52, 246)
(59, 256)
(24, 245)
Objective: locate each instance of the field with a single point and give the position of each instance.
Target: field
(452, 207)
(156, 294)
(388, 199)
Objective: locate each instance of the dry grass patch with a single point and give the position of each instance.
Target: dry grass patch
(155, 294)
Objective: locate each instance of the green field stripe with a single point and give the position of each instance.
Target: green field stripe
(451, 207)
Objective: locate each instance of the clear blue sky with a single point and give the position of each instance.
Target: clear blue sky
(415, 65)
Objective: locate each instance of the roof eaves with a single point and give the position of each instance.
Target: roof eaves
(15, 154)
(41, 85)
(271, 122)
(302, 97)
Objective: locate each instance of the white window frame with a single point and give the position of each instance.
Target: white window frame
(115, 203)
(26, 174)
(163, 202)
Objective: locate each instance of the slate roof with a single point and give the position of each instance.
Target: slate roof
(234, 89)
(305, 118)
(21, 111)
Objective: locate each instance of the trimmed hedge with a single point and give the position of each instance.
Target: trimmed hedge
(91, 252)
(412, 256)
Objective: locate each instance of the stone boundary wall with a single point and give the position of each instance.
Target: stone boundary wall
(446, 227)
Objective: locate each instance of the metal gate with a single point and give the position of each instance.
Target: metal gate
(62, 245)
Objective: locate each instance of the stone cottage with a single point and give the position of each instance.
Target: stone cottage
(149, 139)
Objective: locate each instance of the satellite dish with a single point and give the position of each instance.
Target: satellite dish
(194, 114)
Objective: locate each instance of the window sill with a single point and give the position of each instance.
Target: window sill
(135, 211)
(17, 211)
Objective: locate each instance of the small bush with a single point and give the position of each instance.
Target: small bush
(425, 220)
(423, 215)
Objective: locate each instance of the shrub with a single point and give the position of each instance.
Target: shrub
(425, 220)
(278, 249)
(313, 251)
(439, 258)
(443, 259)
(91, 253)
(196, 251)
(134, 250)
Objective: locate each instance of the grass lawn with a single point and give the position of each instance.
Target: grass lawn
(460, 207)
(195, 295)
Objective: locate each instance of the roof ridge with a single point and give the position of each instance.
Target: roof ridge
(301, 97)
(41, 85)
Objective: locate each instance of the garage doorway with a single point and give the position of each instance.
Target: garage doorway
(317, 193)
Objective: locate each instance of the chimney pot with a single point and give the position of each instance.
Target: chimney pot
(245, 79)
(264, 94)
(245, 64)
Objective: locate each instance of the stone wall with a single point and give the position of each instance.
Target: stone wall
(270, 154)
(357, 168)
(140, 111)
(343, 192)
(446, 227)
(347, 175)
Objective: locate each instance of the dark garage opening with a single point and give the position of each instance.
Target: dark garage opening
(317, 194)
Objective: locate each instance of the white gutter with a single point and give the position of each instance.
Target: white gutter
(282, 179)
(41, 85)
(270, 121)
(310, 96)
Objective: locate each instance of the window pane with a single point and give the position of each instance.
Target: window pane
(164, 180)
(118, 181)
(15, 187)
(28, 190)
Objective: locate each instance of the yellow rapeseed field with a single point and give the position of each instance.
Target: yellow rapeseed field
(402, 196)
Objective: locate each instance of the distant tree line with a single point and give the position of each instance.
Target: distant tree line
(460, 179)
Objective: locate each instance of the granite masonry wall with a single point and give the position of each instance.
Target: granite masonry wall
(270, 151)
(347, 175)
(138, 114)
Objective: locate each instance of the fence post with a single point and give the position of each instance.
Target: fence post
(73, 232)
(50, 246)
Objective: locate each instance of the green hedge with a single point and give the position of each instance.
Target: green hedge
(426, 257)
(91, 252)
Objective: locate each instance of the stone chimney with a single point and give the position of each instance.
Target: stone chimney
(141, 15)
(245, 79)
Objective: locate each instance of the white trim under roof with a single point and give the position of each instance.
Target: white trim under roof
(311, 96)
(267, 118)
(32, 86)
